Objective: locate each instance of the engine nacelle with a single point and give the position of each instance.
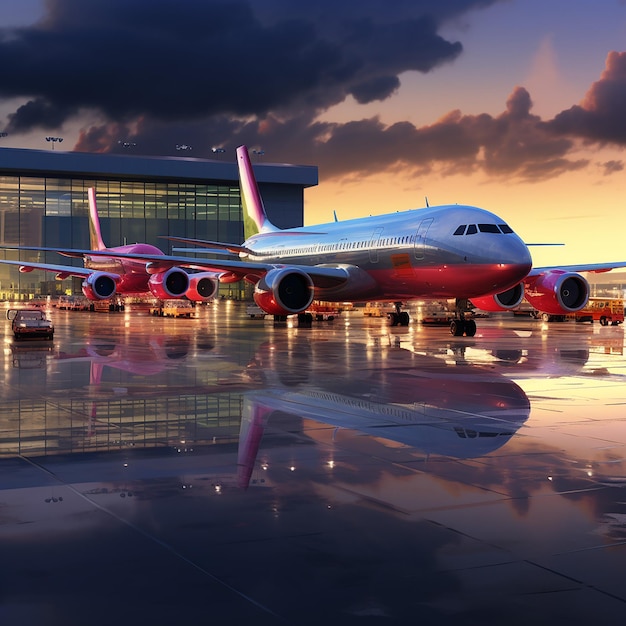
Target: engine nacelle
(202, 287)
(284, 291)
(505, 301)
(99, 286)
(172, 283)
(558, 292)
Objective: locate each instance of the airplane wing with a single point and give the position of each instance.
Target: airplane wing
(322, 276)
(583, 267)
(62, 271)
(70, 252)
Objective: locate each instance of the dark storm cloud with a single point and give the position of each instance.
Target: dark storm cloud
(600, 117)
(39, 112)
(513, 144)
(226, 72)
(375, 89)
(163, 59)
(176, 60)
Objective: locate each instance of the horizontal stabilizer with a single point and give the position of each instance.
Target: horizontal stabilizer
(204, 251)
(217, 245)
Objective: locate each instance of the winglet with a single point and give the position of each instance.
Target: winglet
(95, 235)
(255, 219)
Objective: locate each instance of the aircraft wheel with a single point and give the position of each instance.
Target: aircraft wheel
(470, 328)
(394, 319)
(604, 321)
(404, 318)
(457, 328)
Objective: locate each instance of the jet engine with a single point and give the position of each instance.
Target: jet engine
(504, 301)
(557, 292)
(172, 283)
(284, 291)
(99, 286)
(202, 287)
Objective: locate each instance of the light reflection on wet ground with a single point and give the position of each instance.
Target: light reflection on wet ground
(227, 469)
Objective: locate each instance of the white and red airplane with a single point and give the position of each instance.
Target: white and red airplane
(118, 271)
(450, 251)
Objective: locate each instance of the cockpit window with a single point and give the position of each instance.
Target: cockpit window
(472, 229)
(488, 228)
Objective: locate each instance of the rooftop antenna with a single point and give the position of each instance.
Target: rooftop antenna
(427, 205)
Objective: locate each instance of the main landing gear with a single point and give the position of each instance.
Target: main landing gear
(462, 325)
(399, 317)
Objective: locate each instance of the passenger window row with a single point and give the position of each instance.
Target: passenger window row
(472, 229)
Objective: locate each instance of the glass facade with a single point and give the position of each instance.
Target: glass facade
(41, 427)
(53, 213)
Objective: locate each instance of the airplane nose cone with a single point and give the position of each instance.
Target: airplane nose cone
(525, 260)
(510, 261)
(514, 252)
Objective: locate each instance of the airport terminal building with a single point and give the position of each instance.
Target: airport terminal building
(43, 203)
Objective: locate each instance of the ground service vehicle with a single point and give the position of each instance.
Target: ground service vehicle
(377, 309)
(604, 310)
(172, 308)
(28, 323)
(255, 311)
(607, 311)
(73, 303)
(324, 311)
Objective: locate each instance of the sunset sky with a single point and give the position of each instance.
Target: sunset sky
(517, 106)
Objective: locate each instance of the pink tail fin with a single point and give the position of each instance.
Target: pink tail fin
(95, 235)
(255, 219)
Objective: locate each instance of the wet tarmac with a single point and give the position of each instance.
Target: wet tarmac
(224, 470)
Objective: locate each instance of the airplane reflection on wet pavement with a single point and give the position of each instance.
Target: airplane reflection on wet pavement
(159, 470)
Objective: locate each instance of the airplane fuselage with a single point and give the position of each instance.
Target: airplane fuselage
(448, 251)
(133, 276)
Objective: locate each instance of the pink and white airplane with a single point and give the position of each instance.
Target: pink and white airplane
(120, 271)
(450, 251)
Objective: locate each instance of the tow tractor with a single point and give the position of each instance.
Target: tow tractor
(318, 311)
